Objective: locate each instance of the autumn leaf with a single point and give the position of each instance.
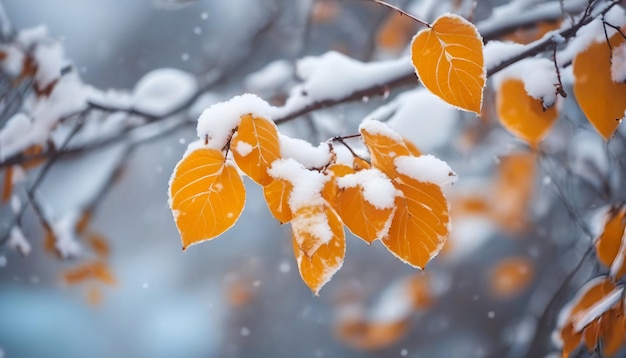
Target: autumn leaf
(207, 196)
(610, 244)
(420, 224)
(510, 276)
(365, 203)
(602, 100)
(384, 145)
(318, 268)
(448, 59)
(96, 270)
(594, 315)
(7, 187)
(512, 190)
(255, 146)
(276, 195)
(521, 114)
(313, 226)
(395, 32)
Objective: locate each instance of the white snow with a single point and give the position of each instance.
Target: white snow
(218, 121)
(14, 60)
(65, 235)
(618, 63)
(303, 152)
(31, 36)
(16, 203)
(379, 128)
(334, 76)
(18, 242)
(50, 59)
(592, 32)
(587, 316)
(377, 187)
(243, 148)
(424, 119)
(11, 140)
(618, 262)
(469, 234)
(307, 184)
(270, 78)
(496, 52)
(538, 75)
(425, 168)
(162, 90)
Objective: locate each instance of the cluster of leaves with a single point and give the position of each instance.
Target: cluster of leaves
(380, 200)
(596, 316)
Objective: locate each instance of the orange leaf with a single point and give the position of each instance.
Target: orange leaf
(591, 316)
(277, 195)
(360, 334)
(510, 276)
(365, 218)
(99, 245)
(395, 32)
(420, 225)
(312, 227)
(319, 267)
(207, 196)
(384, 146)
(330, 188)
(7, 188)
(448, 59)
(96, 270)
(255, 146)
(611, 245)
(513, 188)
(528, 35)
(602, 100)
(522, 114)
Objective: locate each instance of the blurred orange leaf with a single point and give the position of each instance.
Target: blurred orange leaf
(448, 59)
(521, 114)
(7, 188)
(317, 268)
(207, 196)
(513, 189)
(611, 245)
(528, 35)
(595, 314)
(395, 32)
(602, 100)
(96, 270)
(255, 146)
(99, 245)
(510, 276)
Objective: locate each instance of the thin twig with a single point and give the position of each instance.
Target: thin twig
(402, 12)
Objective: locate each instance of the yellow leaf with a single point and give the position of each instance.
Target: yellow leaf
(384, 146)
(610, 245)
(395, 32)
(363, 218)
(312, 227)
(96, 270)
(330, 188)
(7, 188)
(448, 59)
(420, 224)
(318, 268)
(207, 196)
(602, 100)
(513, 188)
(255, 146)
(277, 195)
(522, 114)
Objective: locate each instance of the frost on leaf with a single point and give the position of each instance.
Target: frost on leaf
(384, 145)
(521, 114)
(601, 99)
(448, 59)
(610, 244)
(594, 317)
(207, 196)
(255, 146)
(318, 268)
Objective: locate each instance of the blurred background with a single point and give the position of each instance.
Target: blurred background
(241, 295)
